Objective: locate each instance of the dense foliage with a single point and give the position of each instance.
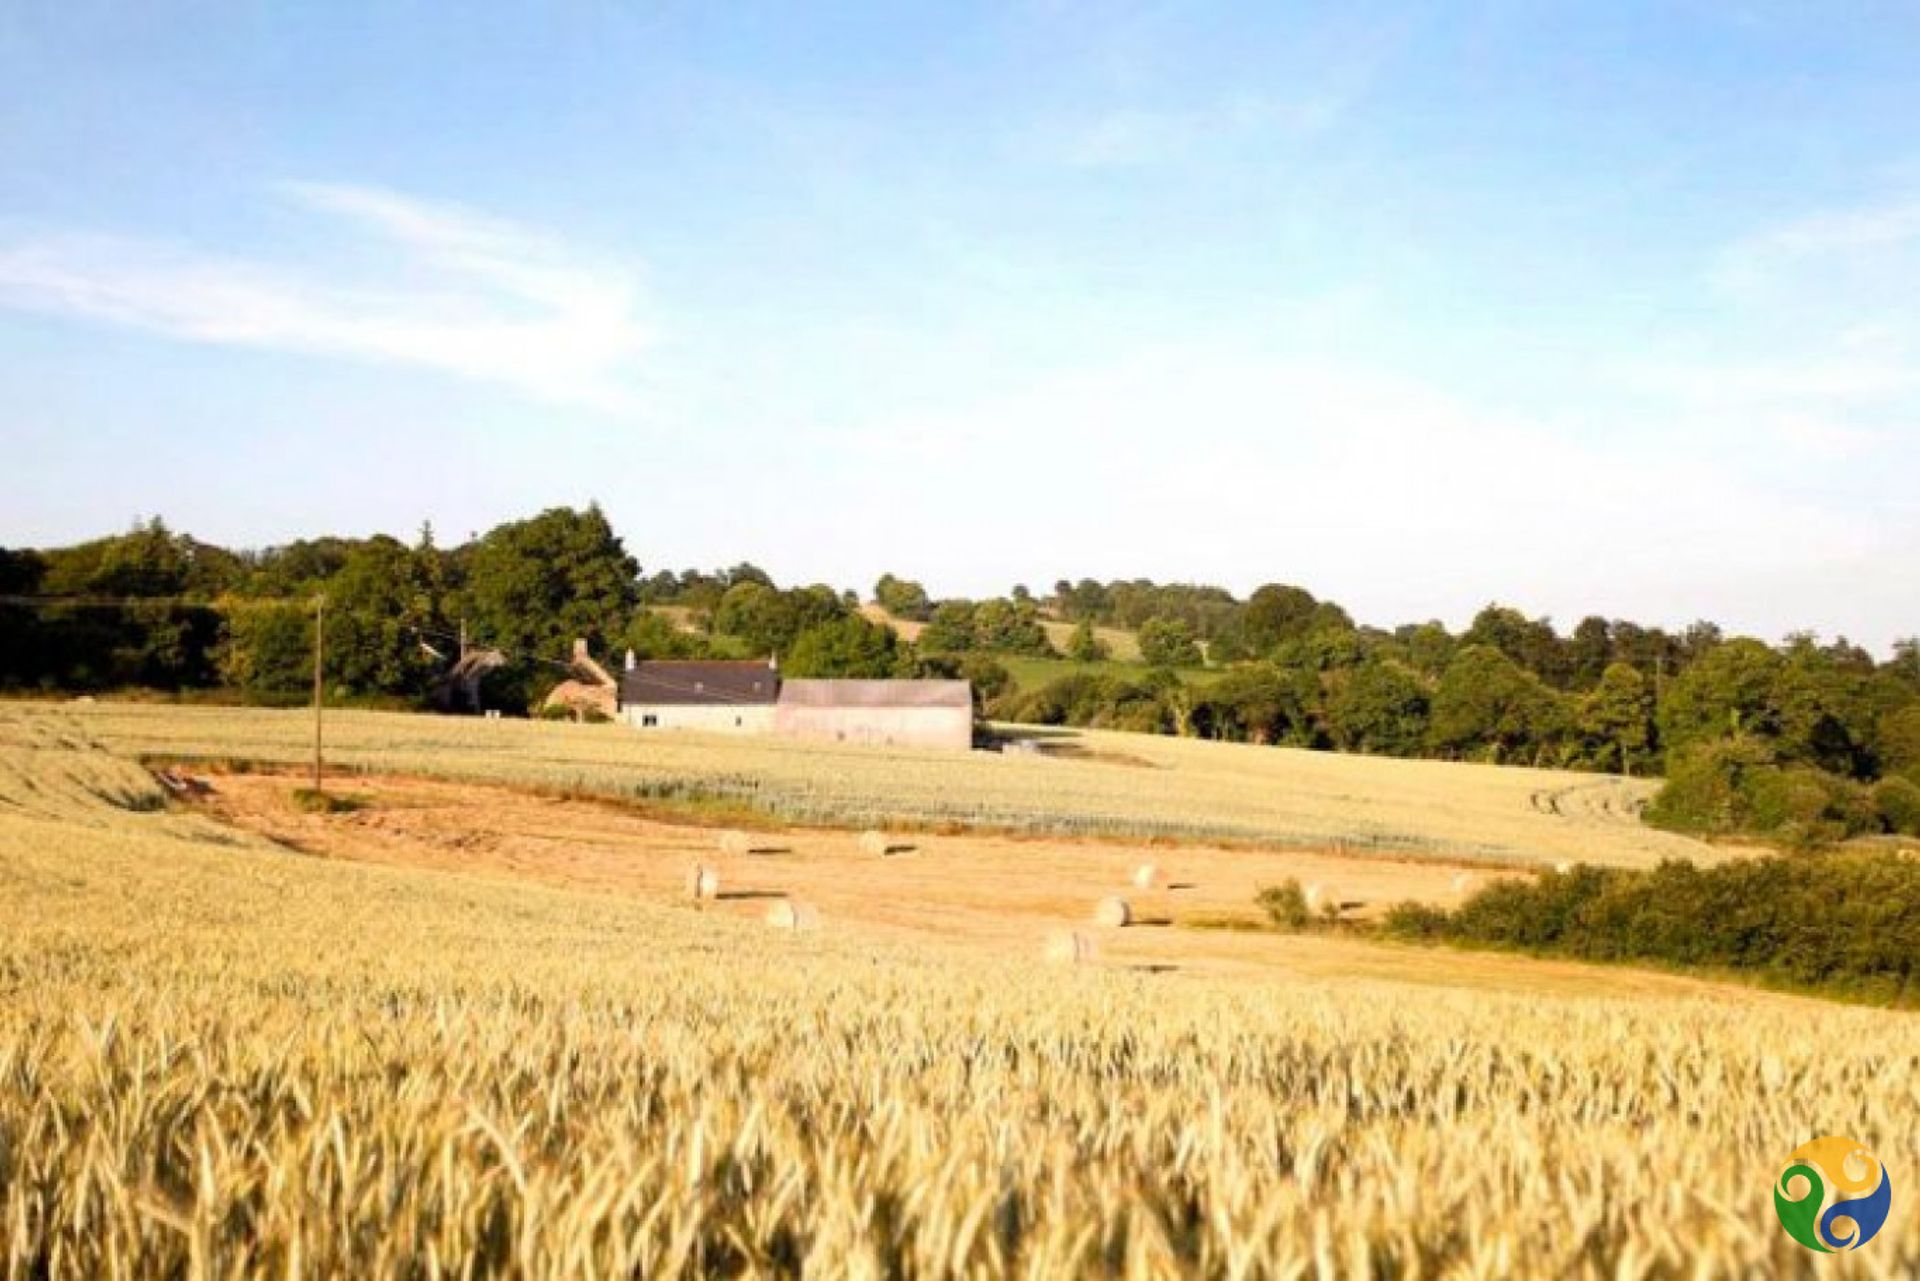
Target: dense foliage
(1841, 920)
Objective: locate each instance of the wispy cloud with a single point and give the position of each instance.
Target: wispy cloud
(484, 299)
(1814, 340)
(1327, 69)
(1868, 236)
(1132, 136)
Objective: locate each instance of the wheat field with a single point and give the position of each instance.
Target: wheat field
(222, 1058)
(1131, 785)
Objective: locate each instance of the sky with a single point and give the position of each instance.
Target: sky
(1585, 308)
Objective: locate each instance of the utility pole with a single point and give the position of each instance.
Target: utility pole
(319, 649)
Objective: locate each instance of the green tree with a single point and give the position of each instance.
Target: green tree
(903, 598)
(1428, 647)
(383, 607)
(950, 630)
(846, 648)
(650, 634)
(535, 585)
(1616, 721)
(1899, 740)
(1381, 707)
(1274, 613)
(1168, 642)
(1897, 802)
(1589, 651)
(1905, 663)
(23, 657)
(1010, 627)
(1531, 643)
(1260, 703)
(1806, 705)
(268, 650)
(768, 621)
(1085, 645)
(1487, 702)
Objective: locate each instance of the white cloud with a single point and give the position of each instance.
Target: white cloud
(1872, 227)
(1814, 344)
(485, 300)
(1847, 256)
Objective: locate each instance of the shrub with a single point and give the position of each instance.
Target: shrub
(1410, 920)
(1285, 904)
(1837, 920)
(1896, 802)
(312, 801)
(1735, 785)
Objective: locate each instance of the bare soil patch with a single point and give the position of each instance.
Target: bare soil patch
(996, 892)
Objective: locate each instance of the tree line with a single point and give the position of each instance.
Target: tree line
(1841, 921)
(1803, 740)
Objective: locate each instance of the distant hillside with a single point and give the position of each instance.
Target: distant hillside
(908, 630)
(1123, 646)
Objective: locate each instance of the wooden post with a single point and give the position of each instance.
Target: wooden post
(319, 649)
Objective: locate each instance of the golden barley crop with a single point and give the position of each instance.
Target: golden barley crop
(1125, 784)
(222, 1058)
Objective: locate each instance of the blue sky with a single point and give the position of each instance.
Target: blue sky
(1603, 307)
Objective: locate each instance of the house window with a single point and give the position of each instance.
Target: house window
(738, 722)
(649, 720)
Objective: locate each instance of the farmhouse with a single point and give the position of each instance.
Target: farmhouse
(751, 698)
(721, 697)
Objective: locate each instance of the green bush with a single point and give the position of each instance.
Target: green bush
(1419, 921)
(1736, 786)
(311, 801)
(1847, 921)
(1285, 904)
(1896, 802)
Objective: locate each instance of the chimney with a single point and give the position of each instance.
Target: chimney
(632, 662)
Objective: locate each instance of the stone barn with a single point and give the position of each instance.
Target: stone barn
(719, 697)
(901, 713)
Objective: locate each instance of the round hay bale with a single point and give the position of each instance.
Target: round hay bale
(1315, 894)
(875, 843)
(1462, 882)
(703, 882)
(1113, 913)
(791, 914)
(1563, 866)
(1146, 876)
(1069, 947)
(735, 842)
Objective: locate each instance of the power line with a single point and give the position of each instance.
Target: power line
(229, 603)
(125, 602)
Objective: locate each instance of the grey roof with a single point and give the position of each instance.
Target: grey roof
(664, 683)
(876, 694)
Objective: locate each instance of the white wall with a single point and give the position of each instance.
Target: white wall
(950, 727)
(749, 718)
